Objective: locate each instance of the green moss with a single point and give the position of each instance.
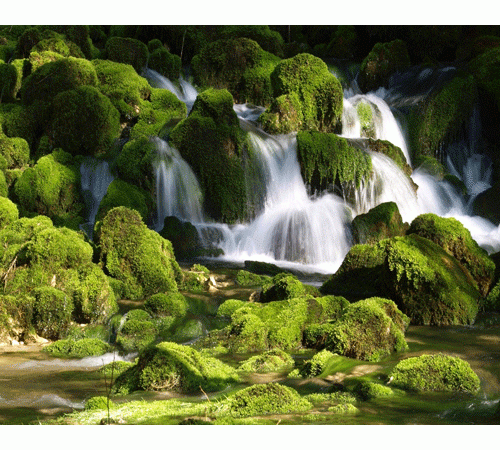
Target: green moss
(344, 409)
(16, 151)
(58, 76)
(139, 257)
(208, 139)
(115, 368)
(435, 373)
(84, 122)
(174, 367)
(440, 118)
(238, 65)
(315, 366)
(127, 51)
(457, 241)
(262, 399)
(271, 41)
(8, 212)
(52, 312)
(485, 69)
(365, 115)
(184, 237)
(167, 304)
(383, 60)
(67, 348)
(136, 335)
(368, 390)
(382, 222)
(282, 287)
(8, 82)
(123, 86)
(326, 159)
(390, 150)
(51, 187)
(275, 360)
(165, 63)
(245, 278)
(98, 403)
(307, 97)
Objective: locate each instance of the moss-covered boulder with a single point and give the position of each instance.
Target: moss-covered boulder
(440, 118)
(270, 40)
(135, 255)
(165, 63)
(15, 151)
(184, 237)
(68, 348)
(428, 284)
(485, 69)
(127, 51)
(52, 312)
(456, 240)
(239, 65)
(384, 60)
(314, 367)
(327, 160)
(122, 85)
(55, 77)
(8, 82)
(382, 222)
(172, 367)
(368, 329)
(390, 150)
(306, 97)
(210, 139)
(121, 193)
(134, 164)
(51, 188)
(275, 360)
(137, 333)
(8, 212)
(283, 286)
(435, 373)
(167, 304)
(84, 122)
(262, 399)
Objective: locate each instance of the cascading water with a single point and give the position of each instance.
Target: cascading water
(95, 179)
(177, 190)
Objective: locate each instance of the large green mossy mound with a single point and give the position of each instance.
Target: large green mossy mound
(137, 256)
(212, 143)
(428, 284)
(239, 65)
(327, 160)
(275, 360)
(51, 274)
(306, 97)
(382, 222)
(368, 329)
(51, 187)
(435, 373)
(174, 367)
(263, 399)
(456, 240)
(383, 60)
(128, 51)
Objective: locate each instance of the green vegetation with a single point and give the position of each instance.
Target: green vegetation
(274, 360)
(306, 97)
(435, 373)
(127, 51)
(67, 348)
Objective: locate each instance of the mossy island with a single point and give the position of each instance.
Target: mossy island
(250, 224)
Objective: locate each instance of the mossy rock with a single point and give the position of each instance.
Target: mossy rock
(456, 240)
(314, 367)
(486, 68)
(382, 222)
(383, 61)
(8, 82)
(390, 150)
(167, 304)
(67, 348)
(282, 287)
(8, 212)
(127, 51)
(135, 335)
(306, 97)
(26, 122)
(366, 331)
(440, 118)
(239, 65)
(262, 399)
(52, 312)
(51, 188)
(327, 160)
(179, 368)
(368, 390)
(98, 403)
(435, 373)
(165, 63)
(262, 268)
(245, 278)
(55, 77)
(84, 122)
(15, 150)
(209, 139)
(123, 86)
(137, 256)
(121, 193)
(428, 284)
(275, 360)
(184, 237)
(270, 40)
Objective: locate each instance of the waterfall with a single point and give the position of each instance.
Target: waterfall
(291, 228)
(95, 179)
(185, 91)
(178, 192)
